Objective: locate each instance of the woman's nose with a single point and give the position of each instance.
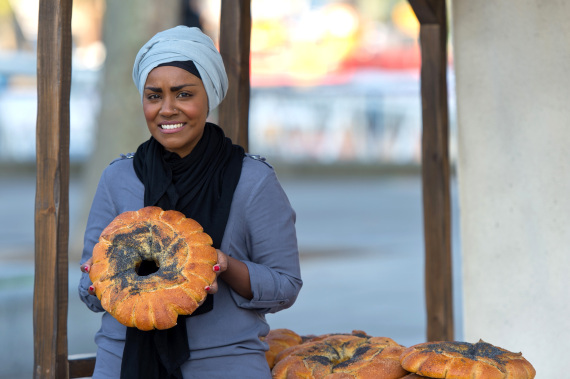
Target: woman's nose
(168, 108)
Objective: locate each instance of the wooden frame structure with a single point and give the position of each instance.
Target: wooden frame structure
(52, 190)
(235, 33)
(52, 159)
(432, 16)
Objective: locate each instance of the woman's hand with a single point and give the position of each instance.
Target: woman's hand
(235, 273)
(86, 267)
(218, 268)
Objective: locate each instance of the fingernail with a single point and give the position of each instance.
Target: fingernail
(216, 268)
(207, 288)
(86, 268)
(91, 288)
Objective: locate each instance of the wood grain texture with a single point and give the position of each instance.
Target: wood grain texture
(235, 36)
(52, 190)
(435, 169)
(81, 365)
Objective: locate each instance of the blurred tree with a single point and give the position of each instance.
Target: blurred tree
(121, 127)
(11, 35)
(190, 13)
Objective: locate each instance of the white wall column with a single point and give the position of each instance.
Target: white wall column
(512, 62)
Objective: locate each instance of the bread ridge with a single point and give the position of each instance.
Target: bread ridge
(156, 300)
(279, 340)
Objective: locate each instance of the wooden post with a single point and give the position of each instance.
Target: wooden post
(435, 168)
(235, 35)
(52, 189)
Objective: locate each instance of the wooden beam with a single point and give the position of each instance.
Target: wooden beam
(425, 11)
(52, 189)
(81, 365)
(435, 169)
(235, 35)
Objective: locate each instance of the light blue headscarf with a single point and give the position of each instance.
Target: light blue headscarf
(182, 43)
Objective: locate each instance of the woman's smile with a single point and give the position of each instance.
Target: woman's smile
(171, 128)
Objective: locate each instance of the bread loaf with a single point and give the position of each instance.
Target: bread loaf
(181, 254)
(279, 340)
(341, 356)
(463, 360)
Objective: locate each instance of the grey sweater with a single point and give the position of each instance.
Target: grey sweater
(260, 232)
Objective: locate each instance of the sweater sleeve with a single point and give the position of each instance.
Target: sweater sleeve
(273, 263)
(102, 212)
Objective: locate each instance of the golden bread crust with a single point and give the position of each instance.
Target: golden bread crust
(279, 340)
(463, 360)
(181, 250)
(342, 356)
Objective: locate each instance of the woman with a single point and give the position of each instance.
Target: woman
(190, 166)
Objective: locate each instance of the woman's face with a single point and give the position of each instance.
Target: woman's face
(175, 106)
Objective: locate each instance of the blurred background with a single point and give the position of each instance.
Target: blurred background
(335, 107)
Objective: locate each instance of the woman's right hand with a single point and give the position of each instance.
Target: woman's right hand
(85, 268)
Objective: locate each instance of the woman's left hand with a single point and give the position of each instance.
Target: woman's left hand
(85, 268)
(218, 268)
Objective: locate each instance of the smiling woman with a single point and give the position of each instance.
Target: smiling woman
(190, 166)
(175, 107)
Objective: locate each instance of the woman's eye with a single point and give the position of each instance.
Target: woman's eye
(185, 94)
(152, 96)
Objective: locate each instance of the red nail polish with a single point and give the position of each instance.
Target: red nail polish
(86, 268)
(207, 288)
(91, 288)
(217, 268)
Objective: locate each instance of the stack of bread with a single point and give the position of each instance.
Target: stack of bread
(181, 258)
(360, 356)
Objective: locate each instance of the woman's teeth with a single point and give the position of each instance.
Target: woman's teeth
(171, 126)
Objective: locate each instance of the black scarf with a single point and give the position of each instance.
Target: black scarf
(201, 186)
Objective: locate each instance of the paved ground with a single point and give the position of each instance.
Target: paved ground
(361, 243)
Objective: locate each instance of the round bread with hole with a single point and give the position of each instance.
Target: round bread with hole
(150, 266)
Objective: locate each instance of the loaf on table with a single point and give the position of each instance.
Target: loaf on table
(342, 356)
(463, 360)
(279, 340)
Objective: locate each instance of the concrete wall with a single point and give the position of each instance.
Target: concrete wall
(512, 62)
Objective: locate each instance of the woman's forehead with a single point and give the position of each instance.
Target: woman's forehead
(171, 74)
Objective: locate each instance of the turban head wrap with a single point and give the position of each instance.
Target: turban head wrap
(183, 43)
